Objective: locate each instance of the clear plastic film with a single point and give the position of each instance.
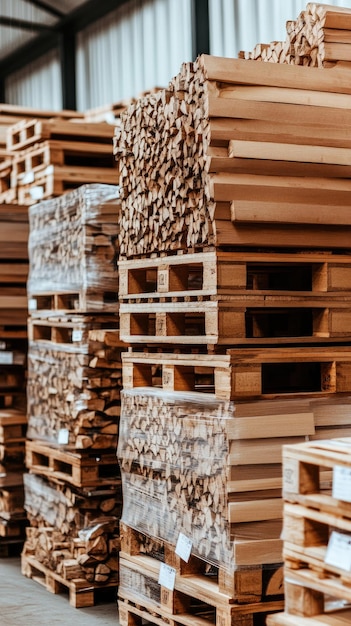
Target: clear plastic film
(67, 509)
(173, 451)
(73, 396)
(73, 242)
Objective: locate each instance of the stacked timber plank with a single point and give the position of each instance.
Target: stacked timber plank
(13, 373)
(316, 482)
(53, 156)
(319, 37)
(73, 490)
(235, 284)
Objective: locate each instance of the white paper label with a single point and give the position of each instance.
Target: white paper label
(77, 335)
(167, 576)
(32, 304)
(110, 118)
(339, 551)
(49, 170)
(342, 483)
(28, 178)
(63, 436)
(291, 476)
(6, 358)
(36, 193)
(2, 345)
(183, 547)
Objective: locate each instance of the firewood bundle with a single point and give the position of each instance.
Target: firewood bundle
(173, 454)
(202, 164)
(74, 390)
(73, 533)
(319, 37)
(73, 245)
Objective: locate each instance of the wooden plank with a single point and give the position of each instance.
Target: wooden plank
(289, 212)
(239, 71)
(285, 152)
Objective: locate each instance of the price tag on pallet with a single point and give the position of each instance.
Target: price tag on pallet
(167, 576)
(342, 483)
(339, 551)
(6, 358)
(63, 436)
(183, 547)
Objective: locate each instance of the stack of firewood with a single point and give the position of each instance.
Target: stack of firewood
(319, 37)
(13, 373)
(235, 280)
(74, 384)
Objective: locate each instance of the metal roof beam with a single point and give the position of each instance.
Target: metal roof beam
(35, 27)
(45, 7)
(78, 19)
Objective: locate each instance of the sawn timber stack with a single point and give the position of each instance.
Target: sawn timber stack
(203, 164)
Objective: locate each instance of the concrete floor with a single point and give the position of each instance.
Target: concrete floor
(23, 602)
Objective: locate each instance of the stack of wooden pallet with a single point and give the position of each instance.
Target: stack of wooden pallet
(74, 383)
(53, 156)
(234, 280)
(317, 518)
(10, 115)
(319, 37)
(13, 366)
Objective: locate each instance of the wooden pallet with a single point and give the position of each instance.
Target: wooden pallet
(184, 276)
(238, 320)
(12, 455)
(29, 132)
(69, 329)
(80, 469)
(81, 593)
(302, 466)
(13, 426)
(339, 617)
(306, 591)
(12, 529)
(55, 180)
(190, 603)
(63, 153)
(243, 584)
(11, 497)
(245, 372)
(72, 301)
(306, 535)
(230, 298)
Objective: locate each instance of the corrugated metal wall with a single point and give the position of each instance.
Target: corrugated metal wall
(240, 24)
(37, 84)
(142, 45)
(139, 46)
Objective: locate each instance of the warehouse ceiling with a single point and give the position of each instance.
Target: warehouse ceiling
(22, 21)
(30, 28)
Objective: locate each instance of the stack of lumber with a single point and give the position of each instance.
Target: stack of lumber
(203, 164)
(74, 387)
(235, 283)
(73, 538)
(319, 37)
(10, 115)
(53, 156)
(13, 373)
(316, 483)
(179, 476)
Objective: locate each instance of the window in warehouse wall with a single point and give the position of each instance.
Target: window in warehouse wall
(137, 47)
(240, 24)
(37, 85)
